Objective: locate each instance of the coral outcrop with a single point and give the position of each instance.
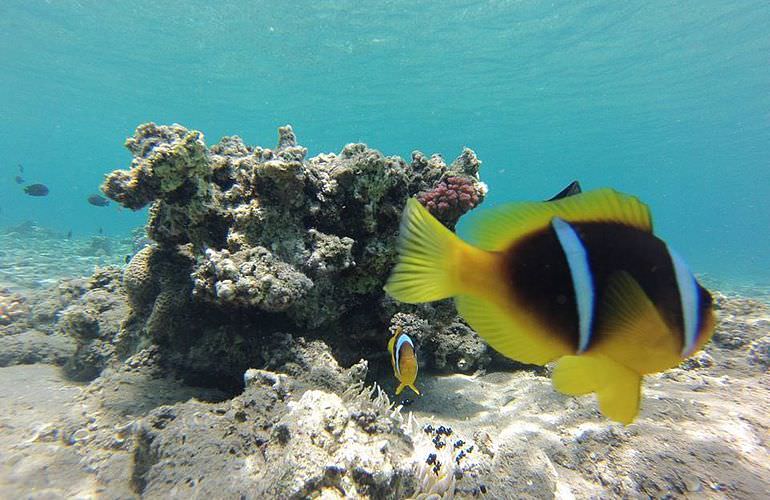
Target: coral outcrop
(246, 238)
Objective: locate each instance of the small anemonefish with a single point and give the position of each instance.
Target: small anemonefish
(580, 278)
(404, 360)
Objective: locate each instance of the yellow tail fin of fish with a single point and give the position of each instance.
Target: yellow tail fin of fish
(617, 387)
(428, 258)
(403, 386)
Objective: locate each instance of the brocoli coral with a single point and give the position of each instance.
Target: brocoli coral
(452, 198)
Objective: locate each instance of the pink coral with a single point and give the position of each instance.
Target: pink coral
(451, 198)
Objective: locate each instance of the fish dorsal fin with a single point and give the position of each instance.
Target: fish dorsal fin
(498, 227)
(631, 329)
(571, 190)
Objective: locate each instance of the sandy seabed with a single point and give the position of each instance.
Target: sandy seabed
(138, 432)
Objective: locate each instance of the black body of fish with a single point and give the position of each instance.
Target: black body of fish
(36, 190)
(98, 201)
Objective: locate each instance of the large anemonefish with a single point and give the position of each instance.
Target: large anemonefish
(404, 360)
(580, 279)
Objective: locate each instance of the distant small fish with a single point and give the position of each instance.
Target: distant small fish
(404, 360)
(98, 200)
(69, 234)
(19, 179)
(127, 259)
(36, 190)
(21, 168)
(101, 231)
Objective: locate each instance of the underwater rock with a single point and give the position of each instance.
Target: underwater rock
(47, 304)
(14, 311)
(311, 363)
(328, 443)
(267, 234)
(700, 359)
(149, 438)
(759, 352)
(169, 163)
(35, 347)
(249, 278)
(740, 321)
(94, 321)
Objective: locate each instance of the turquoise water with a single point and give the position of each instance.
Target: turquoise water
(669, 101)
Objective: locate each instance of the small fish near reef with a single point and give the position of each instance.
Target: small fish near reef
(98, 200)
(404, 360)
(19, 179)
(580, 279)
(36, 190)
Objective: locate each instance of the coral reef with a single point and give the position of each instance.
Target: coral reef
(255, 237)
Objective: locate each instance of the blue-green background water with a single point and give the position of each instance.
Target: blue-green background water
(666, 100)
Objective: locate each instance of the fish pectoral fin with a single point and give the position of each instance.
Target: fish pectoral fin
(509, 337)
(617, 387)
(411, 386)
(400, 388)
(632, 330)
(629, 308)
